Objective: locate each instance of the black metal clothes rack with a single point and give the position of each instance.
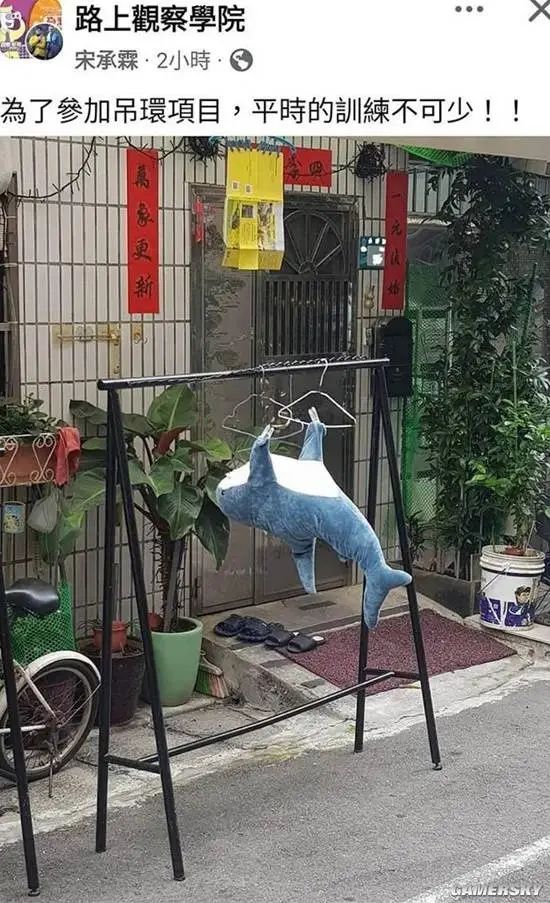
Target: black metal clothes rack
(117, 473)
(10, 685)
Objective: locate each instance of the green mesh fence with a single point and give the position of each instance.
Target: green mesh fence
(449, 159)
(34, 636)
(427, 311)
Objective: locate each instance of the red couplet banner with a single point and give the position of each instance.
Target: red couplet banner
(395, 268)
(308, 166)
(142, 172)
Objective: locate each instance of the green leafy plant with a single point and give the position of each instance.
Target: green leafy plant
(487, 429)
(174, 481)
(417, 530)
(25, 418)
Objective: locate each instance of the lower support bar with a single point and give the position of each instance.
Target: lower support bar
(404, 675)
(126, 762)
(148, 763)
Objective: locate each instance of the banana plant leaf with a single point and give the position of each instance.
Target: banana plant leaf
(136, 424)
(180, 509)
(173, 409)
(212, 529)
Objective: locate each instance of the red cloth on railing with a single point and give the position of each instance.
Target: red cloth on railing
(67, 454)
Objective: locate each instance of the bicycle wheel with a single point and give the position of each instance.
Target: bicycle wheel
(70, 689)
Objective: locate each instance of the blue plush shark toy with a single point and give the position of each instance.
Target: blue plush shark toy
(297, 501)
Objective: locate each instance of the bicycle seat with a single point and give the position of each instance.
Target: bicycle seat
(34, 596)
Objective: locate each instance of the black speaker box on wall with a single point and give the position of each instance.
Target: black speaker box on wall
(395, 341)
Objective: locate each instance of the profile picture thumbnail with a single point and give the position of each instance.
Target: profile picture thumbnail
(44, 41)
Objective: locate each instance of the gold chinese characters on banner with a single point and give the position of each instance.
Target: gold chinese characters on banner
(253, 213)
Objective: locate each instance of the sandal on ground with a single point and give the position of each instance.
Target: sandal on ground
(230, 626)
(279, 638)
(256, 631)
(303, 643)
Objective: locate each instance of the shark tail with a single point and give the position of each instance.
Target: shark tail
(304, 558)
(379, 582)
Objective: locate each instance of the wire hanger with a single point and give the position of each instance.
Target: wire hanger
(273, 425)
(287, 410)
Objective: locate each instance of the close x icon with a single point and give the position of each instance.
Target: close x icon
(542, 9)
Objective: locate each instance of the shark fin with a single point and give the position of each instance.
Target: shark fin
(379, 581)
(304, 558)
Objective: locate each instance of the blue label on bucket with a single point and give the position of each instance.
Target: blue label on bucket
(505, 614)
(508, 591)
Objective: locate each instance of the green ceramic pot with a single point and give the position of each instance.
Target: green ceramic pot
(177, 657)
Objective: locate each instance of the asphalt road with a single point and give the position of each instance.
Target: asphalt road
(381, 827)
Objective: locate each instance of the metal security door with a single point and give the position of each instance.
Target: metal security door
(242, 319)
(306, 311)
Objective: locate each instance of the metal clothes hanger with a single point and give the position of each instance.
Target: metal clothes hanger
(273, 426)
(287, 410)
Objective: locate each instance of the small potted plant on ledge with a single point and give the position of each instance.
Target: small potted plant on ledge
(174, 480)
(27, 443)
(128, 667)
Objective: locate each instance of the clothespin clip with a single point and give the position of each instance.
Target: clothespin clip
(267, 433)
(313, 415)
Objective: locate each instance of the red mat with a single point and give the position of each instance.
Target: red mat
(449, 647)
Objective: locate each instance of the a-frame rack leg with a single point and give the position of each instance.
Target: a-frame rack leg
(118, 462)
(406, 556)
(10, 684)
(381, 416)
(374, 464)
(106, 648)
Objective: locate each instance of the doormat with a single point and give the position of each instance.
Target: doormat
(449, 647)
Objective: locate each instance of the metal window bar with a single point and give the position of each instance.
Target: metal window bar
(117, 472)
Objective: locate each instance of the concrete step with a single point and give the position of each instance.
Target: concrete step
(268, 680)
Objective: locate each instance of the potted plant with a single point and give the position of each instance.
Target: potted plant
(27, 443)
(174, 479)
(487, 428)
(127, 669)
(119, 635)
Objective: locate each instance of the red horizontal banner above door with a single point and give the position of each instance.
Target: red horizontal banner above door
(307, 166)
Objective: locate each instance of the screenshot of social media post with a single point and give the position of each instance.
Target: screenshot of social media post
(274, 451)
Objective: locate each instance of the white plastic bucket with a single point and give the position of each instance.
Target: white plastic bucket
(509, 585)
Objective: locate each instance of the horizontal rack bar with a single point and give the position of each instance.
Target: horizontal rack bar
(149, 763)
(403, 675)
(8, 776)
(136, 764)
(145, 382)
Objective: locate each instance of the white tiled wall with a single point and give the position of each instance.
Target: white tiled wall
(72, 260)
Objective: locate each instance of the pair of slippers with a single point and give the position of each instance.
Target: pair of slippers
(292, 640)
(274, 635)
